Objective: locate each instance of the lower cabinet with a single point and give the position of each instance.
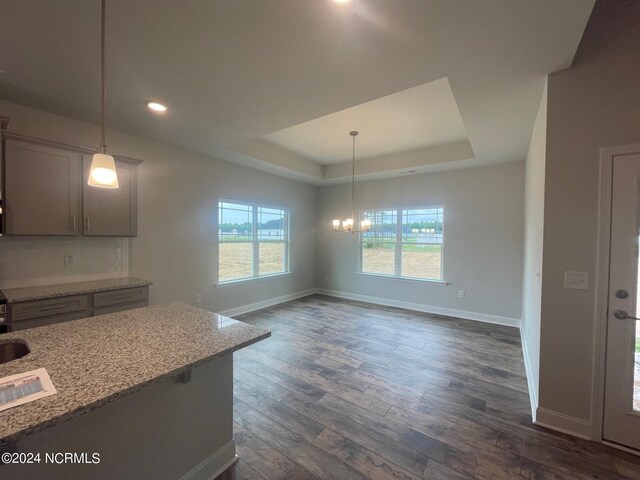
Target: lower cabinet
(38, 313)
(43, 321)
(118, 300)
(29, 311)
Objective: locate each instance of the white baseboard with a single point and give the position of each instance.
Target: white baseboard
(211, 467)
(563, 423)
(450, 312)
(533, 390)
(419, 307)
(267, 303)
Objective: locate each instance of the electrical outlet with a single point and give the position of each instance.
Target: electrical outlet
(326, 276)
(577, 280)
(69, 261)
(198, 298)
(460, 293)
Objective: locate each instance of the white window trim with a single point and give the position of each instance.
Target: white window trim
(255, 243)
(230, 283)
(398, 247)
(441, 283)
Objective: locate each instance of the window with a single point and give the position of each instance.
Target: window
(253, 241)
(403, 243)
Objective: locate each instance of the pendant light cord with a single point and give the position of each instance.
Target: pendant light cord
(353, 134)
(103, 145)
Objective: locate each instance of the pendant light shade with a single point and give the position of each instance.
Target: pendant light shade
(103, 167)
(348, 224)
(103, 171)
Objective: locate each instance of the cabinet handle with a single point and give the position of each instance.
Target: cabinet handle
(73, 223)
(120, 297)
(55, 307)
(88, 224)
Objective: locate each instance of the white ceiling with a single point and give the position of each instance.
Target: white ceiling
(234, 72)
(422, 116)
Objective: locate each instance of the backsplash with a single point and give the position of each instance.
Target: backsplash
(26, 261)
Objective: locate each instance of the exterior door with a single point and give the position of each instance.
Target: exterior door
(622, 387)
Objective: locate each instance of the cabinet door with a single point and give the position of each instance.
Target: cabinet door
(111, 211)
(44, 308)
(44, 321)
(41, 189)
(118, 297)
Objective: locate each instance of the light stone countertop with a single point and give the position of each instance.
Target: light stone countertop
(42, 292)
(96, 360)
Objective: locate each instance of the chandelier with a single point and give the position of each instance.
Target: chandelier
(347, 224)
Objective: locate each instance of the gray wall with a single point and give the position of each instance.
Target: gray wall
(26, 261)
(483, 243)
(176, 247)
(594, 104)
(533, 233)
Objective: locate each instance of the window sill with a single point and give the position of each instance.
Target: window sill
(240, 281)
(438, 283)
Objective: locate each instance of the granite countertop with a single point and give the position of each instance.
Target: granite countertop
(94, 361)
(41, 292)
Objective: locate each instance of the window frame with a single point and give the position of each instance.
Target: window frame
(255, 242)
(398, 246)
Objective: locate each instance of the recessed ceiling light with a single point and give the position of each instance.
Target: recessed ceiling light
(341, 1)
(156, 107)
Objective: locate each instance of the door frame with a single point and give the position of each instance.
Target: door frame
(607, 155)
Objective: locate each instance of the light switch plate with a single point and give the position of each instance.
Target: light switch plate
(577, 280)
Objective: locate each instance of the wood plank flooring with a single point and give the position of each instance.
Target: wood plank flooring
(347, 390)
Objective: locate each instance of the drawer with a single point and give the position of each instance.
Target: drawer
(119, 308)
(41, 322)
(46, 308)
(118, 297)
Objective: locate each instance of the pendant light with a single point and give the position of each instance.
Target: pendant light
(103, 167)
(347, 225)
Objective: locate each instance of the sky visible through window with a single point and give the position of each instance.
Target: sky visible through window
(238, 213)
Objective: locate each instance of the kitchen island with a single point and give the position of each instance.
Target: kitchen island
(149, 390)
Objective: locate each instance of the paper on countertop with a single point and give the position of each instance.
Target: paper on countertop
(24, 388)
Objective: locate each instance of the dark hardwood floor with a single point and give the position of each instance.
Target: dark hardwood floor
(347, 390)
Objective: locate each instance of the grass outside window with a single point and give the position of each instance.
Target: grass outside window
(253, 241)
(406, 243)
